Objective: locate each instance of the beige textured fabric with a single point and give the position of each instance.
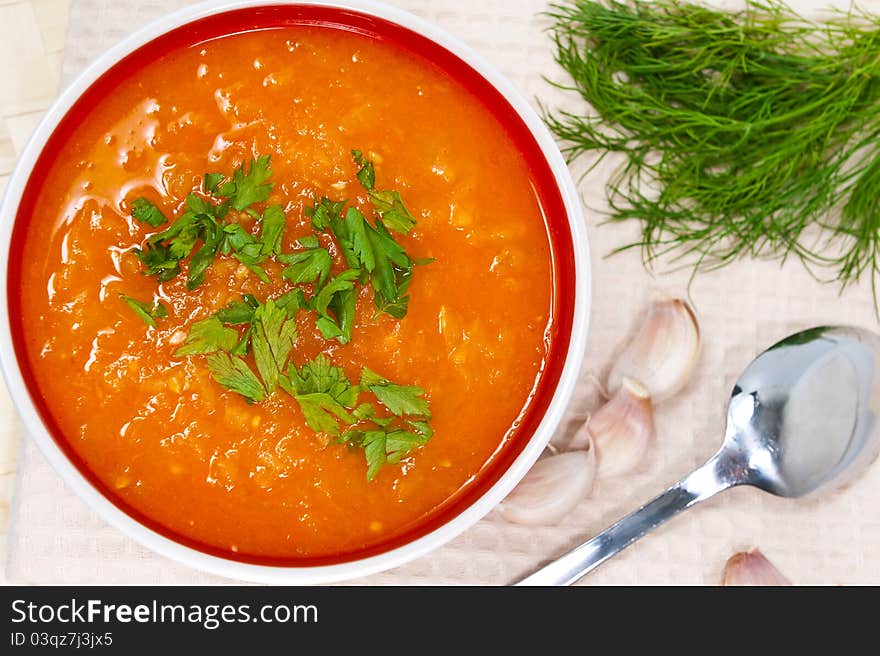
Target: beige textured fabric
(743, 308)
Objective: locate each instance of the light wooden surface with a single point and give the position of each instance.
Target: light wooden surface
(32, 36)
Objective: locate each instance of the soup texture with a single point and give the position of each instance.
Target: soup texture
(157, 429)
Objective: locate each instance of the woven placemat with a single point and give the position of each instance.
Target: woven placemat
(55, 538)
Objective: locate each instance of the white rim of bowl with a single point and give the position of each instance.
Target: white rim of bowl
(317, 574)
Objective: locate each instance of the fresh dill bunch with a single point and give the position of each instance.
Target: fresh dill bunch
(745, 133)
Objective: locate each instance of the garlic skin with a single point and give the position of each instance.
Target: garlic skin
(752, 568)
(622, 430)
(551, 489)
(662, 353)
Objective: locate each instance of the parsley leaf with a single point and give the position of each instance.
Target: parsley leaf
(379, 258)
(341, 283)
(234, 374)
(292, 302)
(144, 211)
(204, 257)
(272, 340)
(181, 236)
(237, 312)
(391, 210)
(373, 444)
(388, 204)
(320, 375)
(149, 312)
(199, 206)
(392, 438)
(386, 446)
(367, 173)
(272, 231)
(358, 240)
(324, 212)
(247, 249)
(335, 304)
(392, 273)
(212, 181)
(399, 399)
(248, 184)
(343, 306)
(320, 411)
(310, 265)
(398, 306)
(165, 250)
(243, 347)
(207, 336)
(324, 394)
(158, 261)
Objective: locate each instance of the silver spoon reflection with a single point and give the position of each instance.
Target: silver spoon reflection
(801, 418)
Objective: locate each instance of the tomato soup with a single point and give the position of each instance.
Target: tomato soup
(158, 432)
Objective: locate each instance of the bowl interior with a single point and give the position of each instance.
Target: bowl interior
(546, 187)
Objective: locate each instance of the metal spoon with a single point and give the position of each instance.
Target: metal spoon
(802, 416)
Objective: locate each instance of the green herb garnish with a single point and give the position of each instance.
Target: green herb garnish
(312, 264)
(388, 204)
(399, 399)
(248, 344)
(272, 340)
(249, 185)
(743, 131)
(366, 175)
(371, 249)
(204, 222)
(208, 336)
(149, 312)
(234, 373)
(387, 446)
(324, 394)
(144, 211)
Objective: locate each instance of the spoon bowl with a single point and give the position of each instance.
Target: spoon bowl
(804, 412)
(801, 418)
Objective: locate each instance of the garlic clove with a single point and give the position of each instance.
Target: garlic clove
(752, 568)
(663, 351)
(551, 489)
(622, 429)
(581, 439)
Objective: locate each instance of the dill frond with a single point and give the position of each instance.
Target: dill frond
(755, 127)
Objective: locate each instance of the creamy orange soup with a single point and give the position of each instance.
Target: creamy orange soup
(156, 429)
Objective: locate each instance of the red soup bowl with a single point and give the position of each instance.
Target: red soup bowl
(554, 189)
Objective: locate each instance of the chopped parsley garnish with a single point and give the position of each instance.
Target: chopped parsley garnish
(144, 211)
(234, 373)
(212, 181)
(208, 336)
(248, 344)
(312, 264)
(387, 446)
(399, 399)
(204, 221)
(329, 401)
(371, 250)
(248, 186)
(272, 339)
(388, 204)
(335, 305)
(327, 398)
(367, 173)
(272, 230)
(149, 312)
(323, 393)
(390, 208)
(238, 311)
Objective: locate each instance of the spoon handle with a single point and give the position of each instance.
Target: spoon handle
(703, 483)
